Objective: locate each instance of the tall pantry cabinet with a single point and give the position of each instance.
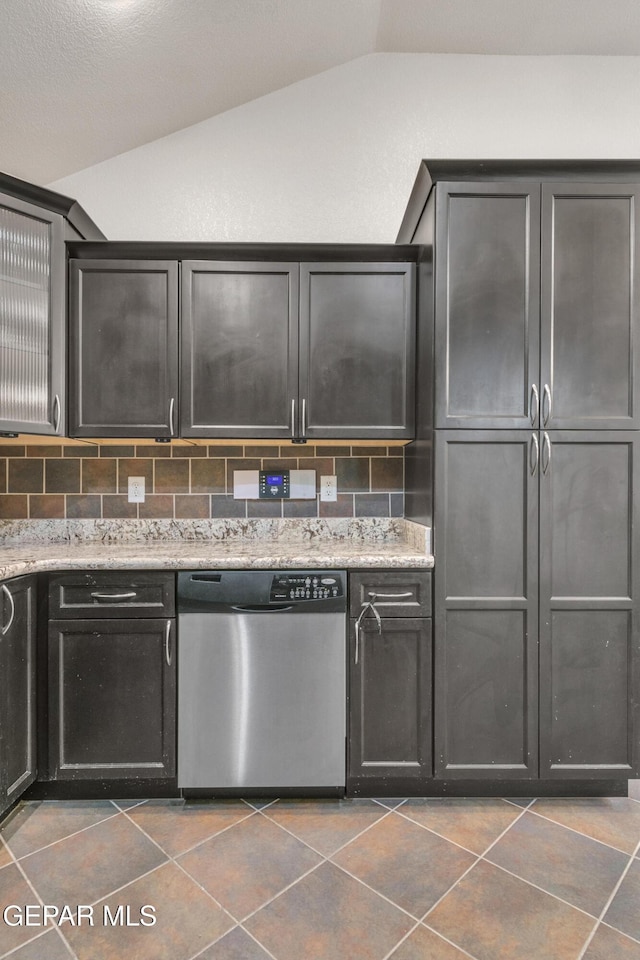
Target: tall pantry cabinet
(534, 298)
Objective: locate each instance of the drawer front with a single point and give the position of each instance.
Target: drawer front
(396, 593)
(107, 594)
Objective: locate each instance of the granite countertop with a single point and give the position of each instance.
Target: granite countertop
(38, 546)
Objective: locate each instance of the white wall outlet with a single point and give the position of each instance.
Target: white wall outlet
(136, 489)
(328, 488)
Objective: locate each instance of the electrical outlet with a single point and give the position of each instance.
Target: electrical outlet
(328, 488)
(136, 489)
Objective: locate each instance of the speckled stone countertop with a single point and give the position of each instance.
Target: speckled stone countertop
(47, 545)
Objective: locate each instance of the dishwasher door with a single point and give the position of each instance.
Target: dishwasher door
(262, 699)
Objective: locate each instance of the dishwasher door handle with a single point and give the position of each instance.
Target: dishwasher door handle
(261, 608)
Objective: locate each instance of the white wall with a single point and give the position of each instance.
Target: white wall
(333, 158)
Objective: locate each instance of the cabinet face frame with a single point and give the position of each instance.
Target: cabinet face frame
(55, 423)
(168, 417)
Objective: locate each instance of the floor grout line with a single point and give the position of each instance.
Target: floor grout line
(579, 832)
(68, 836)
(608, 904)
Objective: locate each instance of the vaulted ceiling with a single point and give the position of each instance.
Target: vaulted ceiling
(85, 80)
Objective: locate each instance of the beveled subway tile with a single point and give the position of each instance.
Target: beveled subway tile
(187, 920)
(608, 944)
(624, 912)
(225, 450)
(14, 506)
(46, 505)
(248, 864)
(495, 916)
(473, 824)
(208, 476)
(8, 450)
(99, 476)
(177, 827)
(49, 946)
(326, 825)
(44, 450)
(89, 865)
(329, 915)
(424, 944)
(116, 506)
(37, 823)
(263, 452)
(14, 890)
(84, 506)
(235, 945)
(171, 476)
(612, 820)
(192, 505)
(114, 451)
(186, 451)
(81, 450)
(26, 476)
(573, 867)
(62, 476)
(152, 450)
(405, 863)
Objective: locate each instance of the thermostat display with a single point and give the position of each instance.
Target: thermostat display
(273, 486)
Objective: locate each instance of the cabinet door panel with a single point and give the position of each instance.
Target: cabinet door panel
(356, 349)
(485, 695)
(589, 632)
(590, 304)
(487, 303)
(390, 699)
(112, 698)
(124, 348)
(239, 349)
(486, 602)
(33, 327)
(17, 690)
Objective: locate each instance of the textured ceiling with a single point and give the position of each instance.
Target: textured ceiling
(85, 80)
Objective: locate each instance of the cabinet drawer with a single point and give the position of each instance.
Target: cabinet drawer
(401, 593)
(107, 594)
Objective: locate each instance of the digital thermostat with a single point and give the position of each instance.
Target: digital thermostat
(273, 485)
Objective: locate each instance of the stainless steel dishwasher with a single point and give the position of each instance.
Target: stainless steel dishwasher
(261, 679)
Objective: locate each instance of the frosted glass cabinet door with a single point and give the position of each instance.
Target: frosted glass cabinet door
(32, 342)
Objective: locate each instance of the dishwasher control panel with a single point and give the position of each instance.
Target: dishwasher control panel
(306, 586)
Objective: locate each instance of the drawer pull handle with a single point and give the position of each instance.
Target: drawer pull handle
(9, 595)
(167, 640)
(114, 596)
(388, 596)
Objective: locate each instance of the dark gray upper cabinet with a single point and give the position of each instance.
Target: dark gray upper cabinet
(536, 304)
(17, 688)
(487, 279)
(589, 623)
(486, 605)
(280, 350)
(356, 350)
(32, 327)
(589, 361)
(239, 362)
(123, 340)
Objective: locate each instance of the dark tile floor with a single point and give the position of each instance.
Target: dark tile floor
(300, 880)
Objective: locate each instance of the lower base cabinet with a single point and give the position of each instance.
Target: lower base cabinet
(112, 689)
(390, 701)
(17, 688)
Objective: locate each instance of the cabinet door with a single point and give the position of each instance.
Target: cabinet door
(357, 353)
(17, 688)
(589, 633)
(485, 591)
(123, 333)
(590, 356)
(239, 349)
(390, 700)
(32, 311)
(112, 699)
(487, 276)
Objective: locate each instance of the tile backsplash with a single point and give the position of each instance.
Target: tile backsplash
(189, 481)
